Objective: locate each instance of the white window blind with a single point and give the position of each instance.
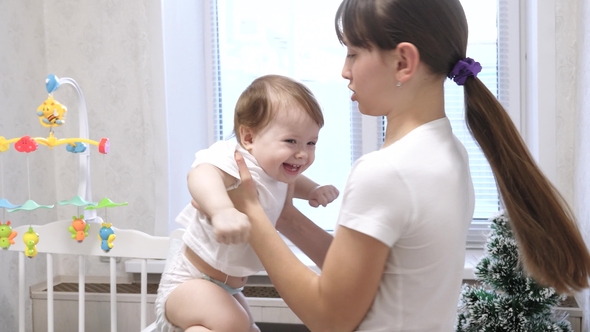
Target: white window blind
(296, 38)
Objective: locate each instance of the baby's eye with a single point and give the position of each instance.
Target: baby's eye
(311, 143)
(290, 141)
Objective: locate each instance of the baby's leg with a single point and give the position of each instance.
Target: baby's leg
(242, 300)
(200, 305)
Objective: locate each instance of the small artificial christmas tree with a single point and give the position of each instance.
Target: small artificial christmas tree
(505, 299)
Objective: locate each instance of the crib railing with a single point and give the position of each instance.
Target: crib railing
(54, 238)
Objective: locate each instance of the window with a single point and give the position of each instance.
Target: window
(288, 38)
(296, 38)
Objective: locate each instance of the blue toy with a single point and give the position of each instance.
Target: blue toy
(107, 237)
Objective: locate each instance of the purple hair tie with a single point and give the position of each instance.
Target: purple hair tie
(464, 69)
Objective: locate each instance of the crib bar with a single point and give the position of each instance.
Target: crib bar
(21, 291)
(49, 293)
(136, 245)
(143, 293)
(81, 292)
(113, 261)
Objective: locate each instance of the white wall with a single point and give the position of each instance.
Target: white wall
(572, 122)
(563, 137)
(108, 48)
(141, 67)
(186, 98)
(577, 49)
(22, 73)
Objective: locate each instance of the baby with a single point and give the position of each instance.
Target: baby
(276, 123)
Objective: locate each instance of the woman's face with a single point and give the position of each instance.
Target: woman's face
(372, 80)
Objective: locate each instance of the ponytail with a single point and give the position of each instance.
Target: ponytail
(550, 245)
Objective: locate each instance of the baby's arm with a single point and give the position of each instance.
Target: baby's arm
(207, 185)
(315, 194)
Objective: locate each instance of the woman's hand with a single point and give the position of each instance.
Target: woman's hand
(245, 196)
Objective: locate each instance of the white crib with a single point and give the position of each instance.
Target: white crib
(54, 238)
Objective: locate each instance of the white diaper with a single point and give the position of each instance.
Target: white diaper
(178, 270)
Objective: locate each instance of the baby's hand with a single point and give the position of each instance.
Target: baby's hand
(322, 195)
(230, 226)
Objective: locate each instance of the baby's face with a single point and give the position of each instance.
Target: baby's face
(286, 146)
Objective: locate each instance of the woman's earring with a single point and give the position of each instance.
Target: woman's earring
(399, 84)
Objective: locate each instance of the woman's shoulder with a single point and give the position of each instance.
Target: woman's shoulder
(374, 170)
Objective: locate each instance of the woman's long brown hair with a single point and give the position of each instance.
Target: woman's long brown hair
(551, 247)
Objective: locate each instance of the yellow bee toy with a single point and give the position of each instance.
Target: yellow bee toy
(51, 113)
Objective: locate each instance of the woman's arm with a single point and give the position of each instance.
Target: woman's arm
(336, 300)
(304, 233)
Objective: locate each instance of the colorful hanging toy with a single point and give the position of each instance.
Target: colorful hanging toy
(7, 235)
(79, 228)
(107, 236)
(31, 238)
(51, 114)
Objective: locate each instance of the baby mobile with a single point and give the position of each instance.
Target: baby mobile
(52, 114)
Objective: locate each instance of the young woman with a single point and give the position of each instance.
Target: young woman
(396, 259)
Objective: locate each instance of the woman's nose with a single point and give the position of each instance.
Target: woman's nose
(345, 72)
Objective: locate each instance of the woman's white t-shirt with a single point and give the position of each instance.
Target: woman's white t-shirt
(416, 196)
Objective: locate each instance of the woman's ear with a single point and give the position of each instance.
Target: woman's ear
(246, 137)
(408, 59)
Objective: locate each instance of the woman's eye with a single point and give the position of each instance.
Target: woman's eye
(350, 52)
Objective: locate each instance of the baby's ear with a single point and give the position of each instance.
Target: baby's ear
(246, 137)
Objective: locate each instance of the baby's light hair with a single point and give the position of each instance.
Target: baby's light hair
(266, 94)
